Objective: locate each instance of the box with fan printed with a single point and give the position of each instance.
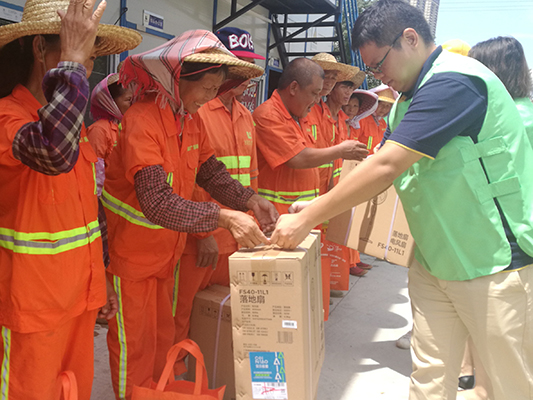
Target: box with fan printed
(377, 228)
(278, 321)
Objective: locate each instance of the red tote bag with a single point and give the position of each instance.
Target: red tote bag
(169, 389)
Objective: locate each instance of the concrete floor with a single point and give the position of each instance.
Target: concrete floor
(362, 361)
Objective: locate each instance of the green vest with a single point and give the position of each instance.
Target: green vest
(449, 200)
(525, 108)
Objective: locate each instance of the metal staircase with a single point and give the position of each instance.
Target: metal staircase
(303, 28)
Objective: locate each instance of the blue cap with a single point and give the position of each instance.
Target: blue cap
(239, 42)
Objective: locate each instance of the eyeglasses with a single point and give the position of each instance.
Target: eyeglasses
(377, 68)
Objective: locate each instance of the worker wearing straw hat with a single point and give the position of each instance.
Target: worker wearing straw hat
(320, 118)
(374, 126)
(52, 282)
(231, 131)
(163, 151)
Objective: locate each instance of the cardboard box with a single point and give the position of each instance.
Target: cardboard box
(377, 228)
(278, 321)
(211, 330)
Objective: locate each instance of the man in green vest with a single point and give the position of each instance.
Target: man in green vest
(461, 163)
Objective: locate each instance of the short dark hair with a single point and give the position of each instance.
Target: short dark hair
(16, 62)
(385, 20)
(505, 57)
(301, 70)
(192, 71)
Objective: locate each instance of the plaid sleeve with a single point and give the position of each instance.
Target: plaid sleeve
(165, 208)
(51, 144)
(214, 178)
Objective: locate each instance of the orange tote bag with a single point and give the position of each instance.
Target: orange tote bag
(169, 389)
(68, 385)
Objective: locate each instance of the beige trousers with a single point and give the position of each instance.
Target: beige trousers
(496, 310)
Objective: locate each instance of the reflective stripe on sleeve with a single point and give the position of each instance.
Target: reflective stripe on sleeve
(126, 211)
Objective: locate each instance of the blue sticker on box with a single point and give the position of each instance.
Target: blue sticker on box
(269, 379)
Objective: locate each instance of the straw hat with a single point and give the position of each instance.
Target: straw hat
(238, 69)
(358, 79)
(457, 46)
(329, 63)
(40, 18)
(113, 78)
(385, 93)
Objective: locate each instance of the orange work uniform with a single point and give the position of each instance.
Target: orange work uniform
(323, 129)
(232, 136)
(52, 278)
(371, 132)
(280, 138)
(103, 135)
(143, 255)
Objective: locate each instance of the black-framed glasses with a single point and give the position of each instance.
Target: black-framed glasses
(377, 68)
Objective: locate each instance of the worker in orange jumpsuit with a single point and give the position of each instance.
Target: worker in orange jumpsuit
(324, 125)
(231, 132)
(374, 126)
(287, 157)
(362, 104)
(109, 103)
(320, 118)
(339, 97)
(52, 279)
(163, 151)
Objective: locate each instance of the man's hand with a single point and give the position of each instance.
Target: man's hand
(110, 309)
(79, 25)
(243, 228)
(290, 231)
(299, 206)
(352, 150)
(207, 252)
(264, 211)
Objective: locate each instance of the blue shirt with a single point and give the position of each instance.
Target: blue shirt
(448, 105)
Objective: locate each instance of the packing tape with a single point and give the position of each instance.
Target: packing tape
(217, 340)
(391, 226)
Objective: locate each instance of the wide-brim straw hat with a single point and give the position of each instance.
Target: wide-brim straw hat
(238, 69)
(328, 62)
(40, 18)
(385, 93)
(358, 79)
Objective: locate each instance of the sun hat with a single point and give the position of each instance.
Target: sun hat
(368, 102)
(457, 46)
(385, 93)
(238, 69)
(328, 62)
(159, 69)
(239, 42)
(358, 79)
(40, 18)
